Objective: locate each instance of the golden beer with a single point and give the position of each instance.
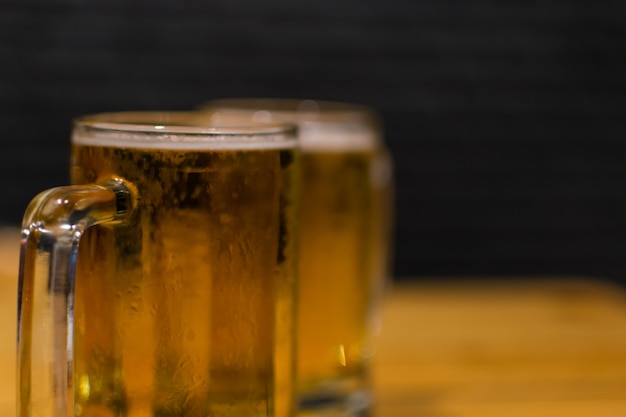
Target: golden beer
(343, 267)
(345, 222)
(335, 269)
(187, 308)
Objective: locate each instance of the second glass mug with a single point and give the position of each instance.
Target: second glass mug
(345, 251)
(180, 300)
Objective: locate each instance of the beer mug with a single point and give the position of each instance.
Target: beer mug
(345, 226)
(162, 283)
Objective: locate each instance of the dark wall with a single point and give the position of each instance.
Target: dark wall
(506, 118)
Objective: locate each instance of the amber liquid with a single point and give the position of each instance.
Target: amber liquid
(188, 308)
(342, 252)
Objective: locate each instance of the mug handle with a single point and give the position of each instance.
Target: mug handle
(53, 225)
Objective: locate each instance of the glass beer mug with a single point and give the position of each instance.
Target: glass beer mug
(345, 227)
(162, 283)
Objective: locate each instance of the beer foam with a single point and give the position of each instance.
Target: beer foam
(320, 139)
(318, 132)
(174, 141)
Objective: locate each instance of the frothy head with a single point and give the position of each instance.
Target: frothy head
(179, 130)
(323, 125)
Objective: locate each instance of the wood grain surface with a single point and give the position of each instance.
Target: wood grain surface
(9, 256)
(540, 347)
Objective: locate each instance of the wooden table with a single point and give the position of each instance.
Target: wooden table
(9, 251)
(540, 347)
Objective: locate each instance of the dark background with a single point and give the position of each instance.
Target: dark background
(506, 119)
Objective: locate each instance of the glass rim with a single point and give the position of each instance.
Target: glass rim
(323, 126)
(297, 110)
(178, 123)
(181, 130)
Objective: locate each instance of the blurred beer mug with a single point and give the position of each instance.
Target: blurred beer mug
(163, 284)
(345, 226)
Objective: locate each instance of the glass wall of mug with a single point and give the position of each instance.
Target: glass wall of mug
(162, 283)
(345, 246)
